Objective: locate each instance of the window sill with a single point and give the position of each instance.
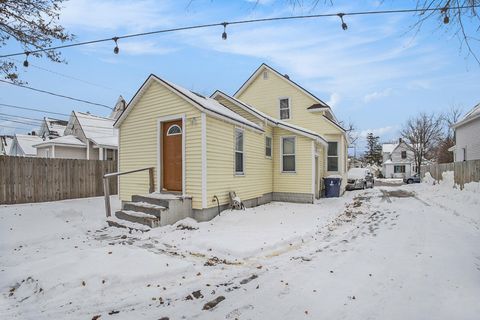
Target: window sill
(288, 172)
(269, 158)
(239, 174)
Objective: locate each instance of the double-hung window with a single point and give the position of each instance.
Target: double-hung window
(288, 154)
(284, 108)
(239, 167)
(398, 169)
(268, 147)
(332, 156)
(404, 154)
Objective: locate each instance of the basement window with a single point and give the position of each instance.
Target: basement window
(239, 168)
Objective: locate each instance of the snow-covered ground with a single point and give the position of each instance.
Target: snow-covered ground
(399, 252)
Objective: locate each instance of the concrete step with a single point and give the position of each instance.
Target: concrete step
(138, 217)
(115, 222)
(144, 207)
(152, 200)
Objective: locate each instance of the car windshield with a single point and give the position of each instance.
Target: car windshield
(356, 173)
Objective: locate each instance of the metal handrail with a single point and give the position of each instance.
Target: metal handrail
(106, 188)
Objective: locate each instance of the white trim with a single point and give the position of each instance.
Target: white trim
(204, 159)
(194, 103)
(53, 151)
(238, 174)
(271, 146)
(322, 109)
(337, 156)
(174, 134)
(289, 108)
(294, 154)
(101, 154)
(313, 170)
(182, 117)
(88, 149)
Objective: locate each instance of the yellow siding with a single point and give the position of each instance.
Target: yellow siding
(139, 145)
(264, 95)
(221, 176)
(301, 180)
(240, 111)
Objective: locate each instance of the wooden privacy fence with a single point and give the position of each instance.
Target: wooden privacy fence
(25, 180)
(464, 172)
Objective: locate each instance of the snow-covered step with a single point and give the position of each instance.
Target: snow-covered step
(152, 200)
(144, 207)
(138, 217)
(119, 223)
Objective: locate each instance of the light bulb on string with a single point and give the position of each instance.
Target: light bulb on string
(224, 34)
(344, 25)
(116, 50)
(25, 63)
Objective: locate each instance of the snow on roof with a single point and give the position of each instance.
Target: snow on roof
(272, 119)
(472, 114)
(106, 142)
(213, 105)
(389, 147)
(7, 144)
(26, 142)
(98, 128)
(388, 161)
(56, 125)
(65, 140)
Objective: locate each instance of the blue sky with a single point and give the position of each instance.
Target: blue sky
(376, 74)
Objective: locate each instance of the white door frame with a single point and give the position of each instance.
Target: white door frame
(160, 120)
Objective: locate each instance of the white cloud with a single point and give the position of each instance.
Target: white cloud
(334, 99)
(92, 15)
(377, 95)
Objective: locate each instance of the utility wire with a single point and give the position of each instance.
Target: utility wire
(16, 121)
(33, 109)
(15, 116)
(66, 75)
(224, 24)
(57, 94)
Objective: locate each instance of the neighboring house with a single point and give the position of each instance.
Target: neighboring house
(5, 144)
(467, 133)
(398, 160)
(354, 163)
(271, 140)
(52, 128)
(86, 136)
(23, 145)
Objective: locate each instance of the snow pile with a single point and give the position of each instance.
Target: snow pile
(357, 173)
(428, 179)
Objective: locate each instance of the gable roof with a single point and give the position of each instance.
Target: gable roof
(55, 125)
(264, 66)
(67, 140)
(26, 142)
(204, 104)
(471, 115)
(388, 147)
(264, 117)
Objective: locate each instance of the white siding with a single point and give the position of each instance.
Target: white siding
(467, 137)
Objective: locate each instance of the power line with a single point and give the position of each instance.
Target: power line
(33, 109)
(66, 75)
(16, 121)
(57, 94)
(15, 116)
(225, 24)
(17, 128)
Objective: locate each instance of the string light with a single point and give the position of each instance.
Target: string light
(344, 25)
(224, 34)
(444, 10)
(116, 49)
(224, 24)
(25, 63)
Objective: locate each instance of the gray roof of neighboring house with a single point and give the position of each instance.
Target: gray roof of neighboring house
(471, 115)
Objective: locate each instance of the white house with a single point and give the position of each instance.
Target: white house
(52, 128)
(5, 144)
(467, 136)
(23, 145)
(398, 160)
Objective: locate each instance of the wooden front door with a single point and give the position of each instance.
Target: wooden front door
(172, 132)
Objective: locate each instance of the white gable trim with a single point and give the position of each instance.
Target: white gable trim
(266, 67)
(153, 78)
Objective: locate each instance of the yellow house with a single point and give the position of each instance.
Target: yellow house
(271, 141)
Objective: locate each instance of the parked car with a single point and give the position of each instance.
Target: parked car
(359, 178)
(413, 179)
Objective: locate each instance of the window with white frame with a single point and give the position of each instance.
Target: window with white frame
(332, 156)
(268, 147)
(284, 108)
(399, 169)
(288, 154)
(239, 168)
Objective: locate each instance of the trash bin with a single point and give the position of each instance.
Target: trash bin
(332, 187)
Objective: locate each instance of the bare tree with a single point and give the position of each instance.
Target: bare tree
(422, 133)
(33, 25)
(450, 117)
